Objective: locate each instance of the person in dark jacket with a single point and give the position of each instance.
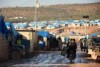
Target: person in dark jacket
(84, 46)
(59, 43)
(81, 44)
(72, 46)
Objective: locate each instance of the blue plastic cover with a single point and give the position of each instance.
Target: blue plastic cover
(43, 33)
(22, 25)
(3, 28)
(8, 24)
(42, 44)
(71, 20)
(92, 35)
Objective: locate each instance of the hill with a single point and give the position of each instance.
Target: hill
(54, 12)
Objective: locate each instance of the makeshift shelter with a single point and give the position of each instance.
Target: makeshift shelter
(3, 28)
(3, 42)
(43, 33)
(11, 27)
(92, 35)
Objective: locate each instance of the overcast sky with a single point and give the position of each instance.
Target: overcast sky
(25, 3)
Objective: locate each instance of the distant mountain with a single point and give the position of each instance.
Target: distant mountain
(54, 12)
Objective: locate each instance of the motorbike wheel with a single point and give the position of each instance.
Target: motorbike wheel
(15, 55)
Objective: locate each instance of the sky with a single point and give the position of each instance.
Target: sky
(30, 3)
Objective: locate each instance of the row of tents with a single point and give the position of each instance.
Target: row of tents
(55, 24)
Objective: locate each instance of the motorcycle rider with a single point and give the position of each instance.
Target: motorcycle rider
(72, 46)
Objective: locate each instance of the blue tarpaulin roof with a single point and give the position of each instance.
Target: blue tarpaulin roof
(43, 33)
(20, 25)
(92, 35)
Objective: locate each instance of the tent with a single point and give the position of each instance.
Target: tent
(93, 35)
(50, 27)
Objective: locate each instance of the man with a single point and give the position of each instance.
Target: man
(84, 45)
(81, 44)
(72, 46)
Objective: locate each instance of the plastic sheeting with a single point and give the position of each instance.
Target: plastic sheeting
(38, 24)
(9, 25)
(92, 35)
(43, 33)
(20, 25)
(3, 28)
(51, 26)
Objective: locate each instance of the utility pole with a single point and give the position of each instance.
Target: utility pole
(36, 8)
(0, 12)
(85, 18)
